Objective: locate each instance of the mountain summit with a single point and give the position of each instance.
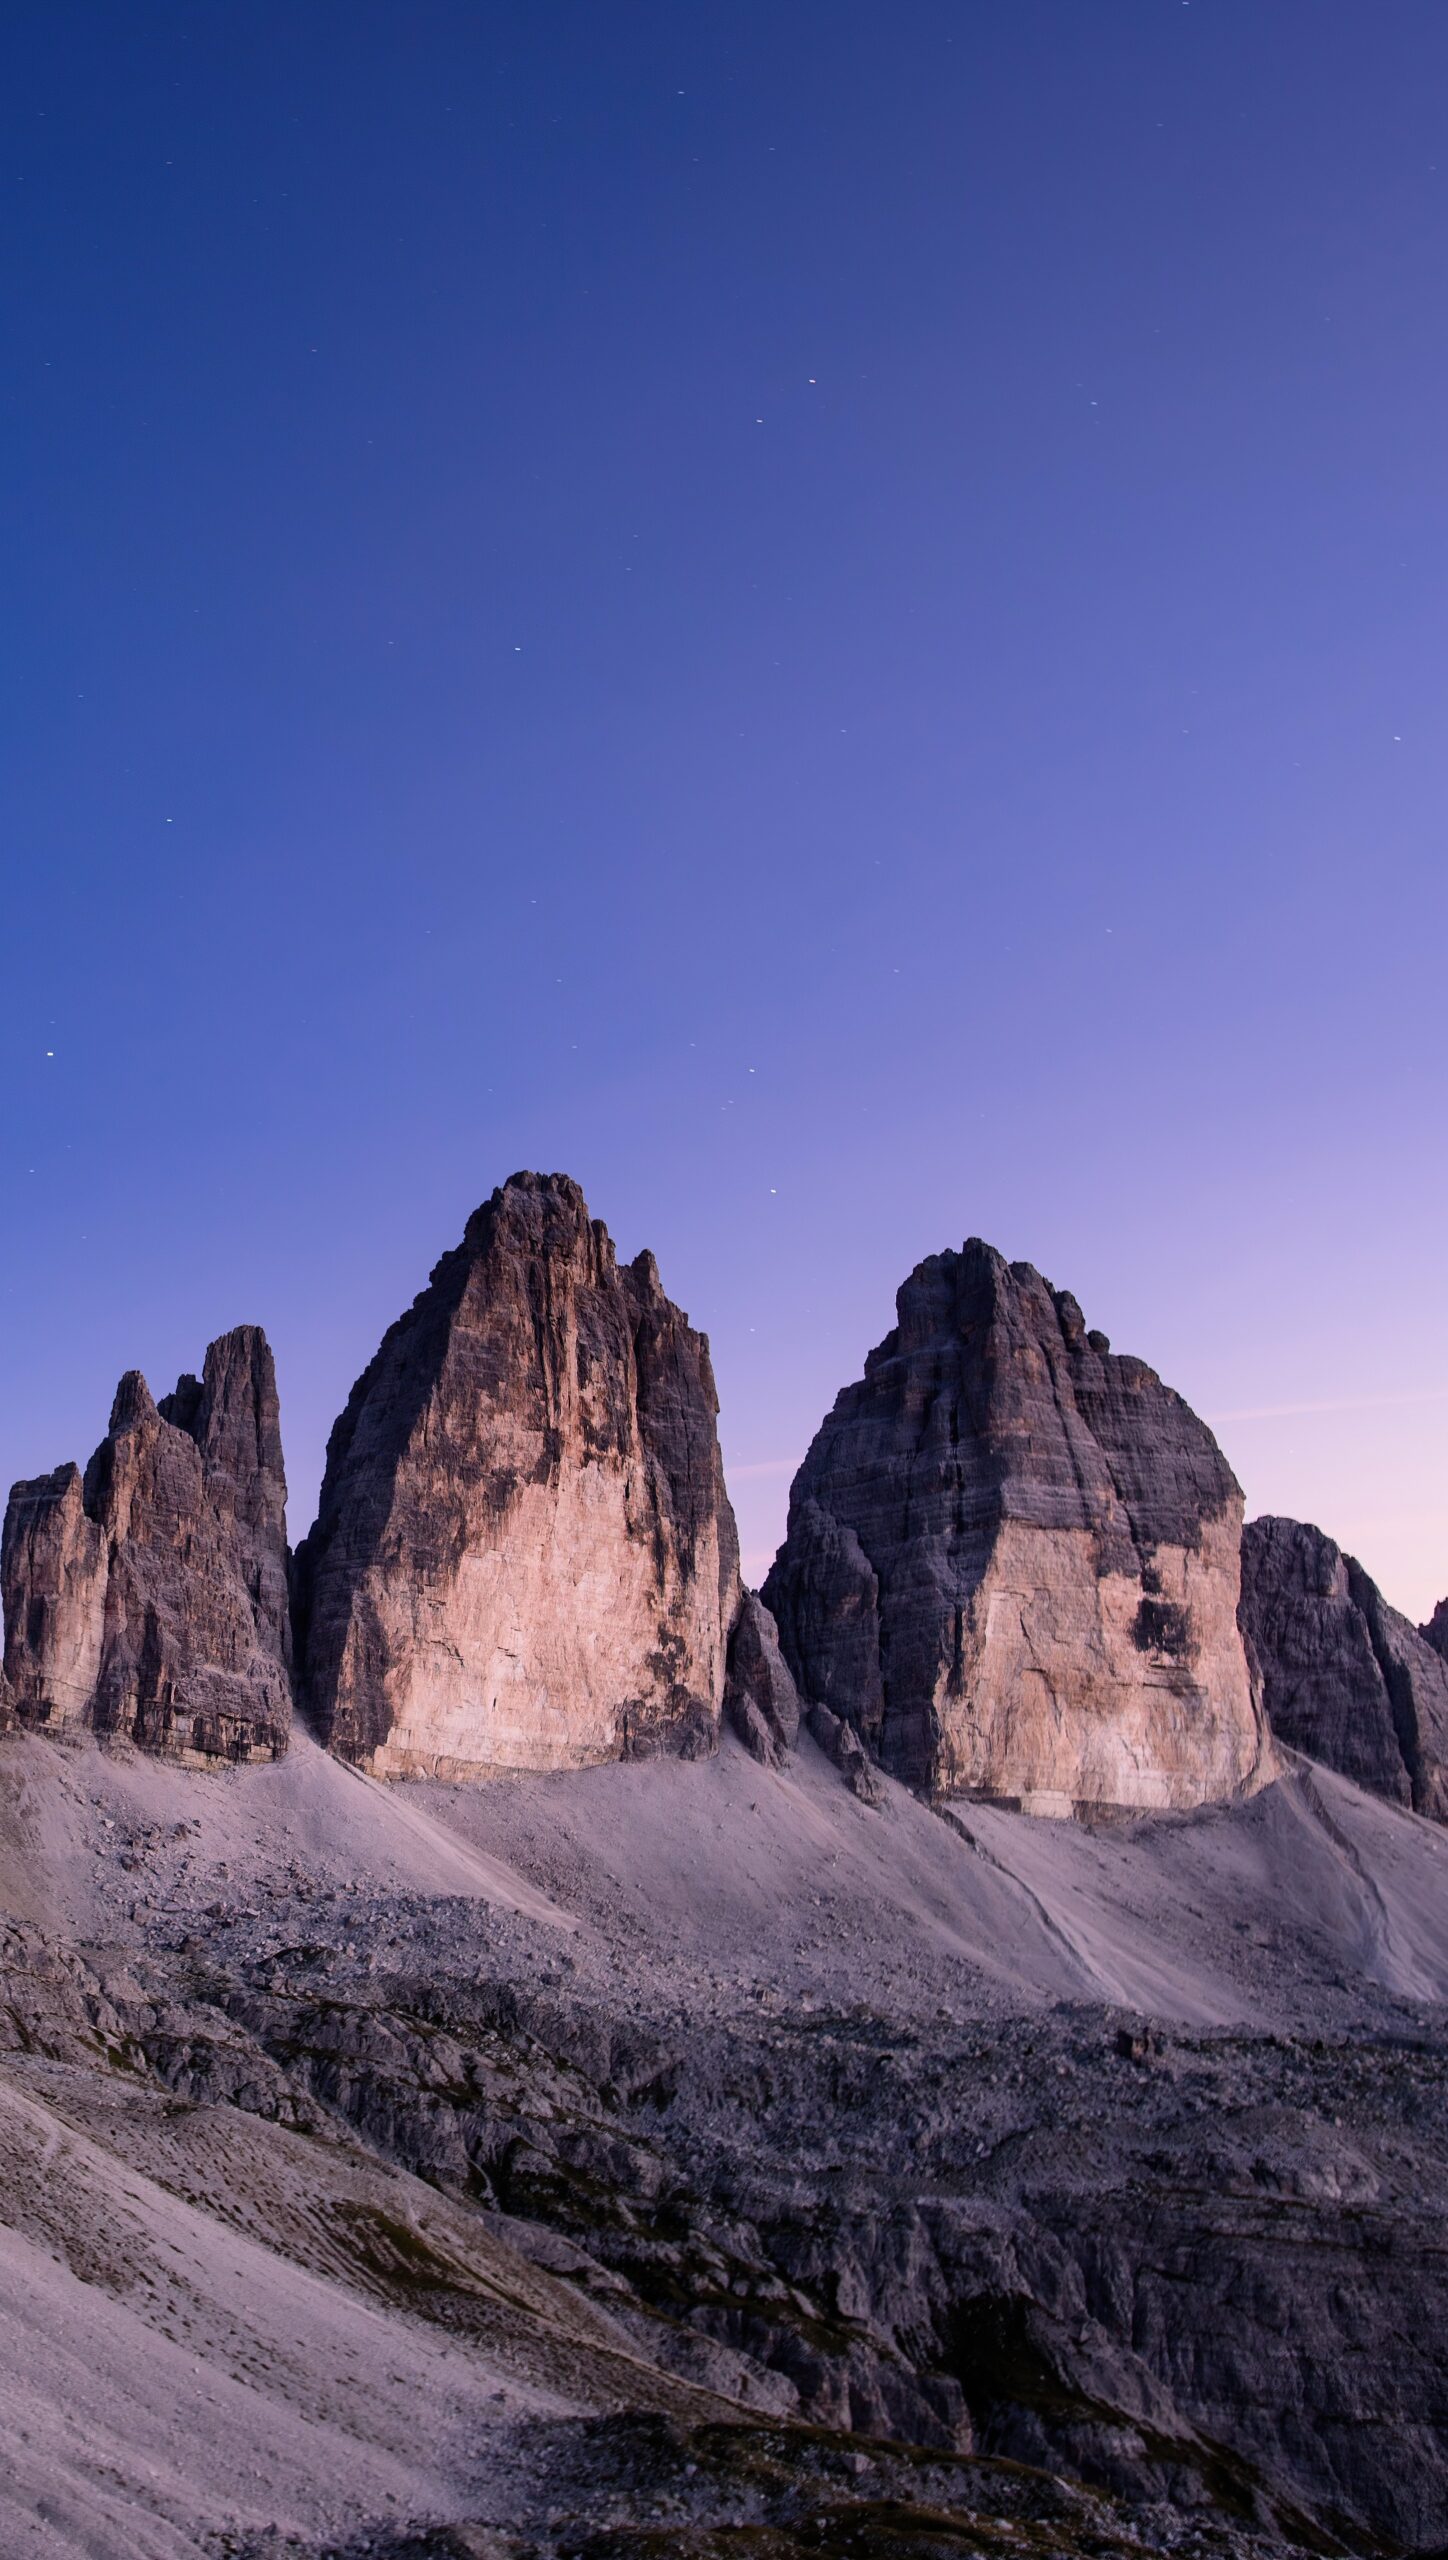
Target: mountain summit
(1012, 1560)
(524, 1556)
(148, 1598)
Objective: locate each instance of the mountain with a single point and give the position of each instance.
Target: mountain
(524, 1555)
(672, 2149)
(1347, 1679)
(1011, 1562)
(148, 1598)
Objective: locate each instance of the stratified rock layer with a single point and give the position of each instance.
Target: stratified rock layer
(525, 1555)
(148, 1597)
(1345, 1678)
(1012, 1560)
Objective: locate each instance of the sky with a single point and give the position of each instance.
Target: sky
(830, 617)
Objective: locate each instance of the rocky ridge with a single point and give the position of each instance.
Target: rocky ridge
(524, 1554)
(1347, 1679)
(148, 1597)
(1011, 1564)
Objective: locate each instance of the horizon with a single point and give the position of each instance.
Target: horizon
(777, 1474)
(839, 631)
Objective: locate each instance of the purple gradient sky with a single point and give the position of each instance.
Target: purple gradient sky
(831, 617)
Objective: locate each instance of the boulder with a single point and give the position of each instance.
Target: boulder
(842, 1745)
(524, 1556)
(148, 1598)
(1012, 1560)
(1346, 1678)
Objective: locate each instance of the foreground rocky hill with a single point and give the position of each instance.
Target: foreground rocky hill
(524, 1554)
(1012, 1560)
(148, 1597)
(619, 2161)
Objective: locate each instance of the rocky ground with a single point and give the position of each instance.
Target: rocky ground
(691, 2158)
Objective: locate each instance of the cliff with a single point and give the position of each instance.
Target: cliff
(1012, 1560)
(524, 1555)
(148, 1598)
(1346, 1678)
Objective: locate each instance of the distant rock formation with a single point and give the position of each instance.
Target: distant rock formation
(524, 1555)
(1012, 1560)
(760, 1698)
(149, 1597)
(1435, 1632)
(1346, 1679)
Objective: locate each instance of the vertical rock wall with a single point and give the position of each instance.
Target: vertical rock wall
(1346, 1679)
(1012, 1560)
(148, 1597)
(524, 1555)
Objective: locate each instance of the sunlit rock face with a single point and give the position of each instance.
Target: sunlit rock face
(1346, 1678)
(524, 1556)
(148, 1598)
(1012, 1560)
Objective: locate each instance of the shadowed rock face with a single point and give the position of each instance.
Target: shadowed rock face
(1346, 1679)
(524, 1555)
(1436, 1631)
(1012, 1560)
(149, 1596)
(760, 1698)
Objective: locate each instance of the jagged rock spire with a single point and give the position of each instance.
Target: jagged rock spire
(1346, 1678)
(148, 1597)
(524, 1555)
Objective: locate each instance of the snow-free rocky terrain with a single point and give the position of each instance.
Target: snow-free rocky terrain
(646, 2126)
(690, 2158)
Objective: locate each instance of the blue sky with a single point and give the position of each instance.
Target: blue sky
(833, 619)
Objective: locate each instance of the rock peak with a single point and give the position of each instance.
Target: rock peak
(148, 1598)
(1346, 1678)
(132, 1406)
(524, 1554)
(1011, 1559)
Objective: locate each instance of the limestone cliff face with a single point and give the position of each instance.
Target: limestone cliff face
(149, 1597)
(1346, 1679)
(1012, 1560)
(524, 1556)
